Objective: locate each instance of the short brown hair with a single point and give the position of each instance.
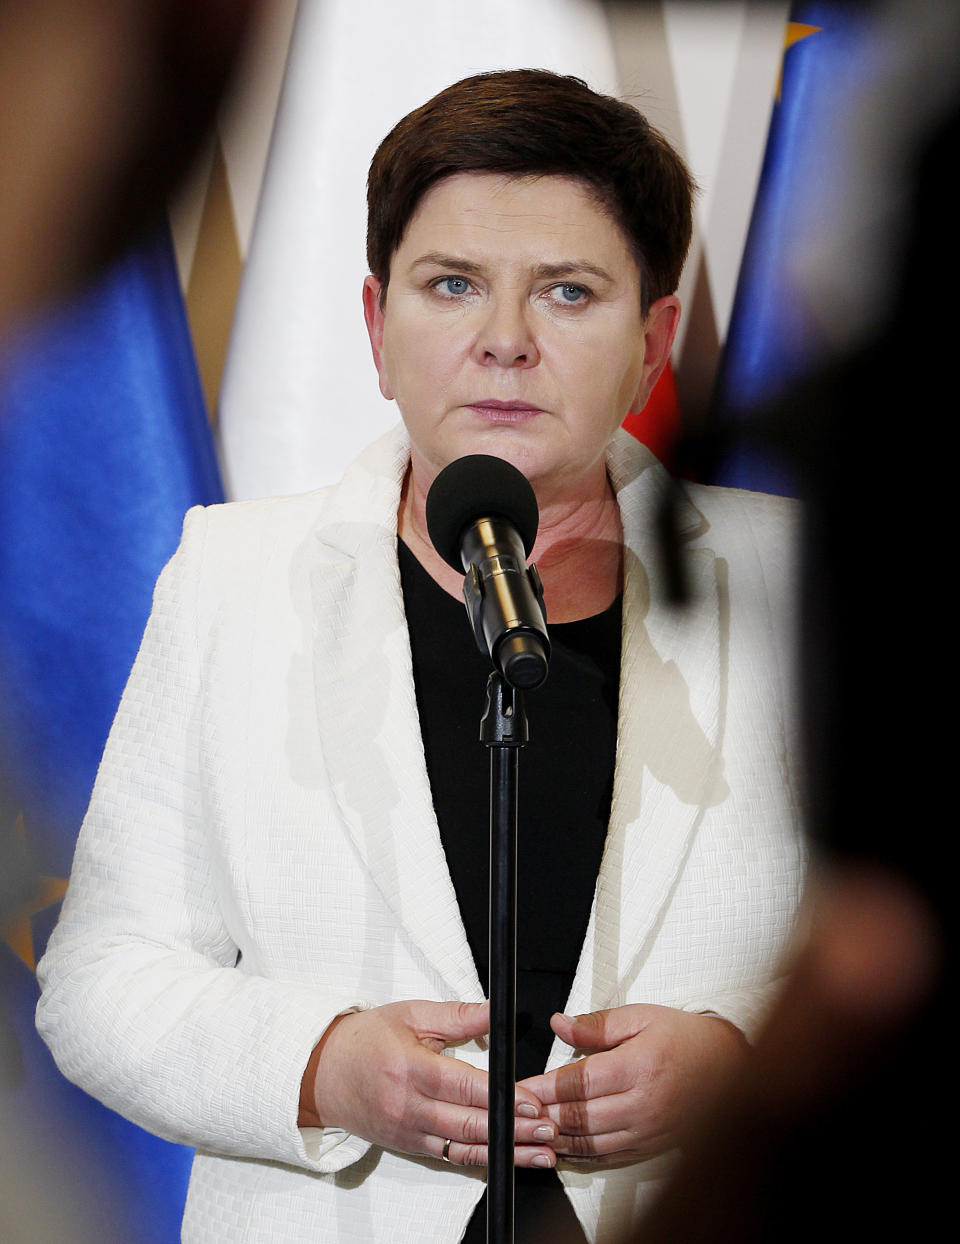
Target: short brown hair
(531, 122)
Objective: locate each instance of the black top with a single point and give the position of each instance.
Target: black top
(565, 787)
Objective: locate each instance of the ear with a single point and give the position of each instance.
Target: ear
(660, 328)
(373, 317)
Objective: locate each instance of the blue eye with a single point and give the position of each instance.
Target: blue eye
(455, 286)
(567, 294)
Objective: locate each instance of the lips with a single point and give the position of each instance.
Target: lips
(505, 412)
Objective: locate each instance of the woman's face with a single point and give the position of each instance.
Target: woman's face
(513, 327)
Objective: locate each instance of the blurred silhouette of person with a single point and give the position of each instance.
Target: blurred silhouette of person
(103, 108)
(834, 1130)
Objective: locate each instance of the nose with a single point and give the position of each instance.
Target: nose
(506, 337)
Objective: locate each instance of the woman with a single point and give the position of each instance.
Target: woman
(274, 940)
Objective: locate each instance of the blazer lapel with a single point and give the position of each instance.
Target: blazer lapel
(669, 760)
(669, 767)
(368, 721)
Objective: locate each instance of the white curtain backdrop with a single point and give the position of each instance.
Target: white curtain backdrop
(300, 396)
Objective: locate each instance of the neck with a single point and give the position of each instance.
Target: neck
(578, 550)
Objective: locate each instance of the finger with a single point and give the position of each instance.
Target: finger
(537, 1157)
(601, 1030)
(470, 1127)
(543, 1087)
(447, 1079)
(443, 1023)
(534, 1156)
(598, 1075)
(631, 1112)
(609, 1145)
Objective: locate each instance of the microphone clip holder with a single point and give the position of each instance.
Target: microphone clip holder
(504, 601)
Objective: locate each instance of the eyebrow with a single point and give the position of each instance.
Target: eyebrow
(572, 267)
(547, 271)
(434, 259)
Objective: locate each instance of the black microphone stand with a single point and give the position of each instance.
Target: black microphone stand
(482, 514)
(503, 730)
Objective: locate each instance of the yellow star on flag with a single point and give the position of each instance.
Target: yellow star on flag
(16, 930)
(794, 33)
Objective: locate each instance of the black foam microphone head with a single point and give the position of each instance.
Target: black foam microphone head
(478, 486)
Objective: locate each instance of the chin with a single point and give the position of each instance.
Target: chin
(518, 446)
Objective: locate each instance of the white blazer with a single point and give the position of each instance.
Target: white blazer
(261, 851)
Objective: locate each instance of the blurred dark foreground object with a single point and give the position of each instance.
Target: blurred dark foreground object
(103, 107)
(824, 1138)
(837, 1132)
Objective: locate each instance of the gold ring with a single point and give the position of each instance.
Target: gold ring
(445, 1156)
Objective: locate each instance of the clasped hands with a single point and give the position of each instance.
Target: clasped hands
(647, 1071)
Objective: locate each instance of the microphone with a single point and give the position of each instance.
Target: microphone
(482, 518)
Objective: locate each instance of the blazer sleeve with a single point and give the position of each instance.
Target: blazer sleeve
(142, 1001)
(747, 1008)
(767, 569)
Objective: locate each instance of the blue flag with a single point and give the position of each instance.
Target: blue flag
(104, 445)
(771, 340)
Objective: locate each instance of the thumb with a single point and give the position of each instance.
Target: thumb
(600, 1030)
(445, 1022)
